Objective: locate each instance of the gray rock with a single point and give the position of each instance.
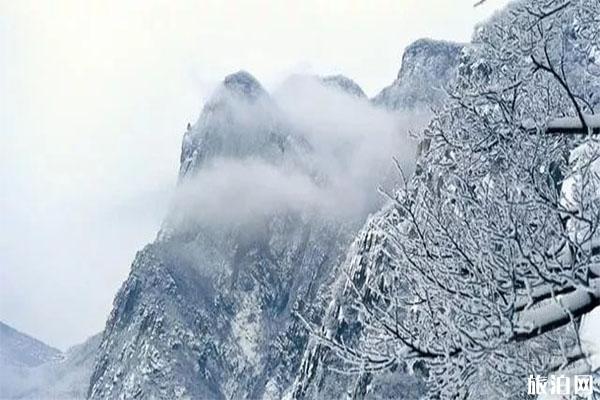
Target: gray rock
(427, 67)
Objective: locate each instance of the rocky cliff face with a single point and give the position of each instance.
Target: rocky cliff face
(239, 121)
(209, 309)
(317, 377)
(180, 331)
(428, 66)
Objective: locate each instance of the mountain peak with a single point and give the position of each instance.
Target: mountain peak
(243, 84)
(427, 67)
(433, 45)
(426, 48)
(20, 349)
(344, 84)
(240, 120)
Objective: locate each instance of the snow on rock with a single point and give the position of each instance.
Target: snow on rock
(427, 67)
(210, 310)
(244, 84)
(318, 376)
(245, 328)
(21, 350)
(55, 376)
(344, 84)
(239, 120)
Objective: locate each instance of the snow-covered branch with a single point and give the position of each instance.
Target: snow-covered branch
(569, 125)
(490, 256)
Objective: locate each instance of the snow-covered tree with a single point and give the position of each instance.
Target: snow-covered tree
(493, 246)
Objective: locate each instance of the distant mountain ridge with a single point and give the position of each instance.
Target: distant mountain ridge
(21, 350)
(30, 369)
(344, 84)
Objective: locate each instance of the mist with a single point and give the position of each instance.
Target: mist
(346, 153)
(96, 97)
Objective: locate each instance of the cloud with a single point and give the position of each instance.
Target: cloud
(231, 190)
(348, 154)
(97, 97)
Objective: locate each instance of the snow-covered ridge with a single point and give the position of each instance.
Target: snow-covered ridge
(21, 350)
(427, 67)
(209, 309)
(239, 120)
(344, 84)
(29, 369)
(244, 84)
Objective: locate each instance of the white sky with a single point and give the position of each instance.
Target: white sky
(94, 99)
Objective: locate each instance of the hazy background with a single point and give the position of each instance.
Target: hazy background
(95, 97)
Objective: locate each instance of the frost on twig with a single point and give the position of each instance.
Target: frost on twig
(488, 256)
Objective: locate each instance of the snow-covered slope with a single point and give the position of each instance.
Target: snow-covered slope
(427, 67)
(210, 308)
(207, 311)
(30, 369)
(345, 84)
(240, 120)
(317, 377)
(20, 350)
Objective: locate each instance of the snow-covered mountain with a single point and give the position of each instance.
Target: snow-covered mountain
(318, 377)
(29, 369)
(239, 121)
(344, 84)
(210, 308)
(207, 310)
(350, 334)
(428, 66)
(20, 350)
